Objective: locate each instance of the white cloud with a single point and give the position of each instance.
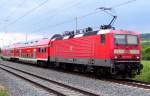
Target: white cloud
(132, 16)
(10, 38)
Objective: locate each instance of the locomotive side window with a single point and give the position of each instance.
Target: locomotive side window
(102, 39)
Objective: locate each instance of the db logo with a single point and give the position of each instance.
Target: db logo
(71, 48)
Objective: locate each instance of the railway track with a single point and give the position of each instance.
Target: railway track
(51, 86)
(133, 83)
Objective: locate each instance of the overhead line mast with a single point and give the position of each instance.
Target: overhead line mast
(76, 23)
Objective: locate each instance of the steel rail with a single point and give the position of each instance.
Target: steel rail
(81, 90)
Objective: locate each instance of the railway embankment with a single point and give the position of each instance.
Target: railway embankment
(105, 88)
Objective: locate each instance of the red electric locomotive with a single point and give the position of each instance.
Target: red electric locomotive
(115, 52)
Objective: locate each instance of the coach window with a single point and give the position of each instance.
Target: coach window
(31, 55)
(42, 50)
(102, 39)
(17, 51)
(39, 50)
(45, 50)
(27, 55)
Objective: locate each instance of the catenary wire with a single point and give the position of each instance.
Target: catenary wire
(29, 12)
(14, 11)
(56, 11)
(86, 15)
(58, 24)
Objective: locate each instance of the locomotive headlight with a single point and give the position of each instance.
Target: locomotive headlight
(119, 51)
(116, 57)
(138, 57)
(134, 51)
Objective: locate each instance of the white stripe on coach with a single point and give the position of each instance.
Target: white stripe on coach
(53, 39)
(103, 31)
(79, 35)
(66, 37)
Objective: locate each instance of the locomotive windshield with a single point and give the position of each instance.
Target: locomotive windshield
(126, 39)
(120, 39)
(132, 39)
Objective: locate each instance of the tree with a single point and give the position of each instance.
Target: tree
(147, 50)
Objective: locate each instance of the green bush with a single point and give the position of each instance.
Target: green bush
(145, 52)
(145, 73)
(147, 57)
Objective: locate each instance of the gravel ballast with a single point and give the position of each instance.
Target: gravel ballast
(19, 87)
(96, 85)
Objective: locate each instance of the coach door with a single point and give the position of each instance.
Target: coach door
(20, 53)
(34, 53)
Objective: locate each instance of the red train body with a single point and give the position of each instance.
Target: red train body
(115, 52)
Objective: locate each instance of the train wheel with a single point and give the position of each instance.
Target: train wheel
(62, 66)
(82, 68)
(101, 72)
(69, 67)
(42, 63)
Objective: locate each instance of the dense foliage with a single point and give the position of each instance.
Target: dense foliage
(145, 43)
(145, 51)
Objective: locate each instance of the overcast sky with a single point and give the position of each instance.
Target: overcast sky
(38, 19)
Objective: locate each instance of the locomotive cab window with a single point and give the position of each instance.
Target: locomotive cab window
(132, 39)
(102, 38)
(120, 39)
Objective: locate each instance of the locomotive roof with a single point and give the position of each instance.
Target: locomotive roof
(120, 31)
(96, 33)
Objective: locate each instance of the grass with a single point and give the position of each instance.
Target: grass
(3, 93)
(145, 75)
